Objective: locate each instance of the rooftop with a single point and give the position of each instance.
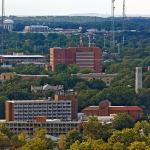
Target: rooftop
(22, 56)
(9, 21)
(34, 101)
(125, 108)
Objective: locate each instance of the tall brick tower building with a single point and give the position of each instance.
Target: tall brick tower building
(84, 57)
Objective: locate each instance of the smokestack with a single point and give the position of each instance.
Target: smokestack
(81, 40)
(138, 80)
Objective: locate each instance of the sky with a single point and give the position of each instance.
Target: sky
(67, 7)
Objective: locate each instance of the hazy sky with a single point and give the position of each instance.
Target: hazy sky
(65, 7)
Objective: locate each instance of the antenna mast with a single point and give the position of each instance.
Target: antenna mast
(123, 26)
(2, 24)
(113, 23)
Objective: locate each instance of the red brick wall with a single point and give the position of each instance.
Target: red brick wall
(91, 112)
(9, 111)
(68, 56)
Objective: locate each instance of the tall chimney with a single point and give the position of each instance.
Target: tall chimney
(138, 80)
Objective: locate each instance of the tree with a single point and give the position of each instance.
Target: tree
(122, 121)
(126, 136)
(119, 146)
(80, 85)
(2, 107)
(39, 142)
(4, 141)
(62, 142)
(86, 71)
(67, 140)
(146, 82)
(144, 96)
(90, 145)
(61, 68)
(137, 146)
(143, 127)
(96, 84)
(95, 130)
(73, 69)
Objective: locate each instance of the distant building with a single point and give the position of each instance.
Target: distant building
(45, 88)
(54, 127)
(107, 78)
(20, 58)
(7, 76)
(36, 29)
(105, 109)
(63, 107)
(8, 24)
(10, 75)
(84, 57)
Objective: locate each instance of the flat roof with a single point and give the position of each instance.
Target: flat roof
(22, 56)
(50, 122)
(36, 101)
(24, 75)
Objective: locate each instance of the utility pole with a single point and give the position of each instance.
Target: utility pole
(2, 24)
(113, 23)
(123, 25)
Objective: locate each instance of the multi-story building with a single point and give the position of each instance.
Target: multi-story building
(20, 58)
(84, 57)
(53, 127)
(36, 29)
(63, 107)
(105, 109)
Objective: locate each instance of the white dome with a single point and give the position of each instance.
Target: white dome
(8, 21)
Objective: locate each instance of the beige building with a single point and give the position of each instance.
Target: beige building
(53, 127)
(107, 78)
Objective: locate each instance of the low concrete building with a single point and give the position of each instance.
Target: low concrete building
(31, 77)
(107, 78)
(54, 127)
(42, 89)
(20, 58)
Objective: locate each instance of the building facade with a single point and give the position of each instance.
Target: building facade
(36, 29)
(105, 109)
(21, 58)
(84, 57)
(107, 78)
(53, 127)
(63, 107)
(8, 25)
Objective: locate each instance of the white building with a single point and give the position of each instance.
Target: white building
(8, 24)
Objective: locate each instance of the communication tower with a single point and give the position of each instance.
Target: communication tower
(113, 23)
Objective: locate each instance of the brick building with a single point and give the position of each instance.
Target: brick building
(105, 109)
(63, 107)
(84, 57)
